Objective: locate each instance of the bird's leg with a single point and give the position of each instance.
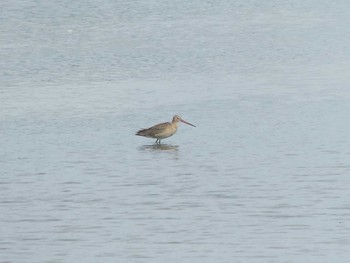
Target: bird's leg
(157, 141)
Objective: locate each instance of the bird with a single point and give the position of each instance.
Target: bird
(162, 130)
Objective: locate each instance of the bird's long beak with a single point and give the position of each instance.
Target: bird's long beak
(187, 123)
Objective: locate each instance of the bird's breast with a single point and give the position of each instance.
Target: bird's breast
(166, 132)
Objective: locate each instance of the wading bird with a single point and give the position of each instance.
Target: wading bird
(162, 130)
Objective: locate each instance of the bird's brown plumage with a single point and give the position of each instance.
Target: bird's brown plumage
(162, 130)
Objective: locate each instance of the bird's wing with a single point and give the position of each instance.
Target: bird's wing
(154, 130)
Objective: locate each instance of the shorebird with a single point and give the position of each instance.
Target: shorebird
(162, 130)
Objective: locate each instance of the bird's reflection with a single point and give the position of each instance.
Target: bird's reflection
(159, 147)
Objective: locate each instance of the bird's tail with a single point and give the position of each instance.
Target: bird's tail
(142, 132)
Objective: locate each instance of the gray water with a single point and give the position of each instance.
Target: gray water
(265, 175)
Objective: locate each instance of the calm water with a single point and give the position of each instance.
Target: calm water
(264, 177)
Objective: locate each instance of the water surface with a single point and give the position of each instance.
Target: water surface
(262, 178)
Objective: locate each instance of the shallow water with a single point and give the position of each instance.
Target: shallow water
(264, 176)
